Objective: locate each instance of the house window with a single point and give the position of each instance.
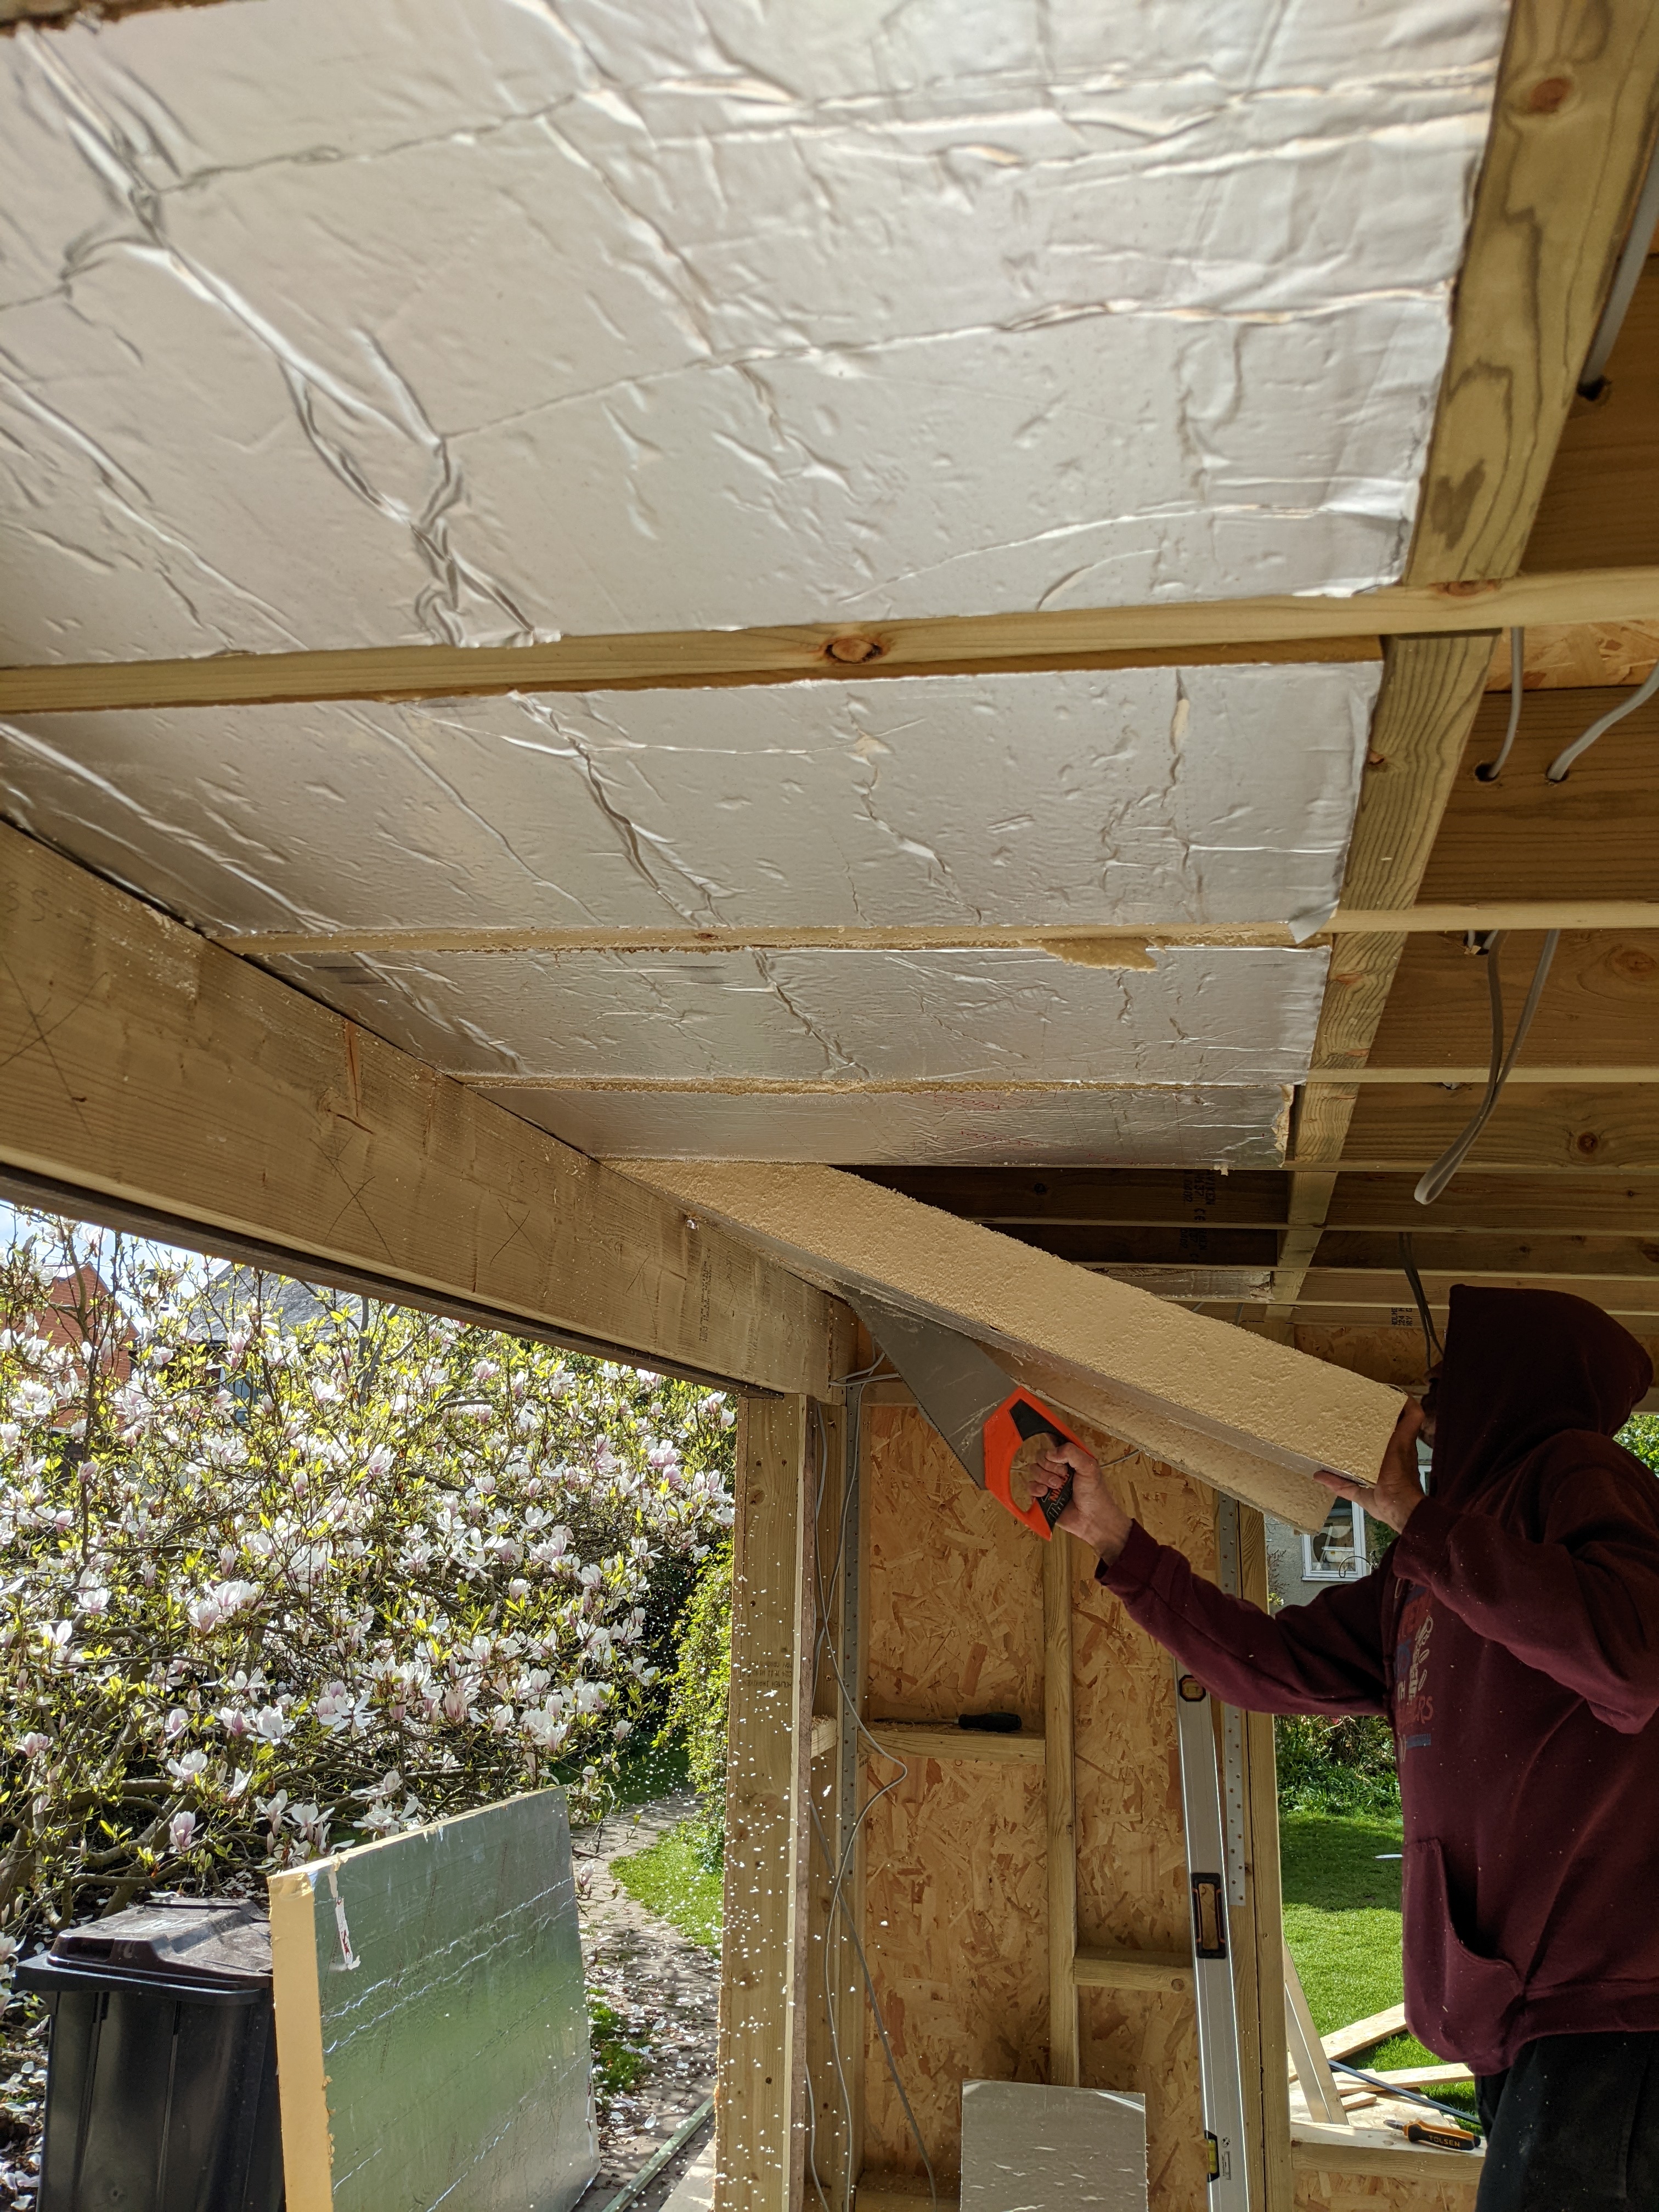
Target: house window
(1336, 1553)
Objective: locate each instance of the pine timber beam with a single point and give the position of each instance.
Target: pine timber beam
(1042, 1201)
(1573, 125)
(1522, 837)
(1287, 627)
(1570, 1129)
(1111, 945)
(146, 1072)
(1247, 1417)
(760, 2114)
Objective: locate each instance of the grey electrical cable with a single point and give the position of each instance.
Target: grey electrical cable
(1432, 1347)
(1435, 1181)
(1626, 278)
(1489, 771)
(1557, 770)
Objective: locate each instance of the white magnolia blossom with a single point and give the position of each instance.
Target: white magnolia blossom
(328, 1582)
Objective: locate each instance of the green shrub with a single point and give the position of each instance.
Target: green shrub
(1345, 1767)
(697, 1691)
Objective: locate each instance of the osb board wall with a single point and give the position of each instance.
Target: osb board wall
(955, 1900)
(956, 1913)
(1319, 2191)
(1132, 1852)
(957, 1624)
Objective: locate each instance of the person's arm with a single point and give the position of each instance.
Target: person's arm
(1326, 1657)
(1581, 1606)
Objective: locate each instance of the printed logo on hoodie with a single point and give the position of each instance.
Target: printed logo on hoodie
(1413, 1706)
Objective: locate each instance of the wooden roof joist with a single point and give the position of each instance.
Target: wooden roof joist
(146, 1076)
(1104, 944)
(1050, 1198)
(1186, 633)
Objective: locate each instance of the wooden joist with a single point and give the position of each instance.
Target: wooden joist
(1600, 1007)
(1191, 632)
(1596, 834)
(1534, 1131)
(1573, 122)
(1107, 944)
(144, 1071)
(1600, 506)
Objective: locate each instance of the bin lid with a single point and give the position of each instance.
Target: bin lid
(192, 1943)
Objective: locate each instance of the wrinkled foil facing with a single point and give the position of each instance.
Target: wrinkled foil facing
(1212, 795)
(468, 321)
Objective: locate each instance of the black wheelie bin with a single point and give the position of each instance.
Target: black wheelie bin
(161, 2081)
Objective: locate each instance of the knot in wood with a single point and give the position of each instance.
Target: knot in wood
(853, 650)
(1549, 95)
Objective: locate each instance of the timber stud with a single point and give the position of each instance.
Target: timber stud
(853, 651)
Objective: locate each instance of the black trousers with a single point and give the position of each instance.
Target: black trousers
(1573, 2126)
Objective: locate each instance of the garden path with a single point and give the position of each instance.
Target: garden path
(664, 1989)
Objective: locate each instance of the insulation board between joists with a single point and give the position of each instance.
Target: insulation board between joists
(982, 1016)
(1220, 795)
(1233, 1128)
(461, 319)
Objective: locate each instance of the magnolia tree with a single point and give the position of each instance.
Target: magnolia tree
(265, 1590)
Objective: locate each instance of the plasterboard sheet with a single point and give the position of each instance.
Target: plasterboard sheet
(1034, 2147)
(1205, 795)
(1244, 1016)
(471, 319)
(1230, 1128)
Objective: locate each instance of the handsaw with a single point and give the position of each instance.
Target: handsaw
(992, 1425)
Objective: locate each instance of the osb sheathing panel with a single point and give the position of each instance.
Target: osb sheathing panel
(1319, 2191)
(1132, 1851)
(958, 1585)
(956, 1910)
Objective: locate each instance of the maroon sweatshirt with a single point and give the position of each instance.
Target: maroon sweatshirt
(1512, 1634)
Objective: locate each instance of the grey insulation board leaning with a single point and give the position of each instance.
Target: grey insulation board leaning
(1027, 2147)
(431, 2020)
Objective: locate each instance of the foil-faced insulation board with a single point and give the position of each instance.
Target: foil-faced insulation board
(470, 320)
(992, 1018)
(1221, 795)
(1232, 1126)
(1210, 795)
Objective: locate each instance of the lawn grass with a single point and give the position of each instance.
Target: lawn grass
(1342, 1924)
(677, 1879)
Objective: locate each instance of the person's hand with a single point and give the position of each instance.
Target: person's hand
(1094, 1516)
(1398, 1491)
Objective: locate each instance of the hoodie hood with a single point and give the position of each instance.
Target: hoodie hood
(1521, 1366)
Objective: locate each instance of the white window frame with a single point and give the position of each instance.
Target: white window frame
(1313, 1572)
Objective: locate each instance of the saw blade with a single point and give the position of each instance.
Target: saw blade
(956, 1384)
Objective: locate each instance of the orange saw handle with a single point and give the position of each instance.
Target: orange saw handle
(1015, 1422)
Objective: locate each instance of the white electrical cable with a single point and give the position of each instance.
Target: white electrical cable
(1435, 1181)
(1557, 770)
(1626, 278)
(1489, 771)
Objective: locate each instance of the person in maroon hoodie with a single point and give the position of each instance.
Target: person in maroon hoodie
(1512, 1636)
